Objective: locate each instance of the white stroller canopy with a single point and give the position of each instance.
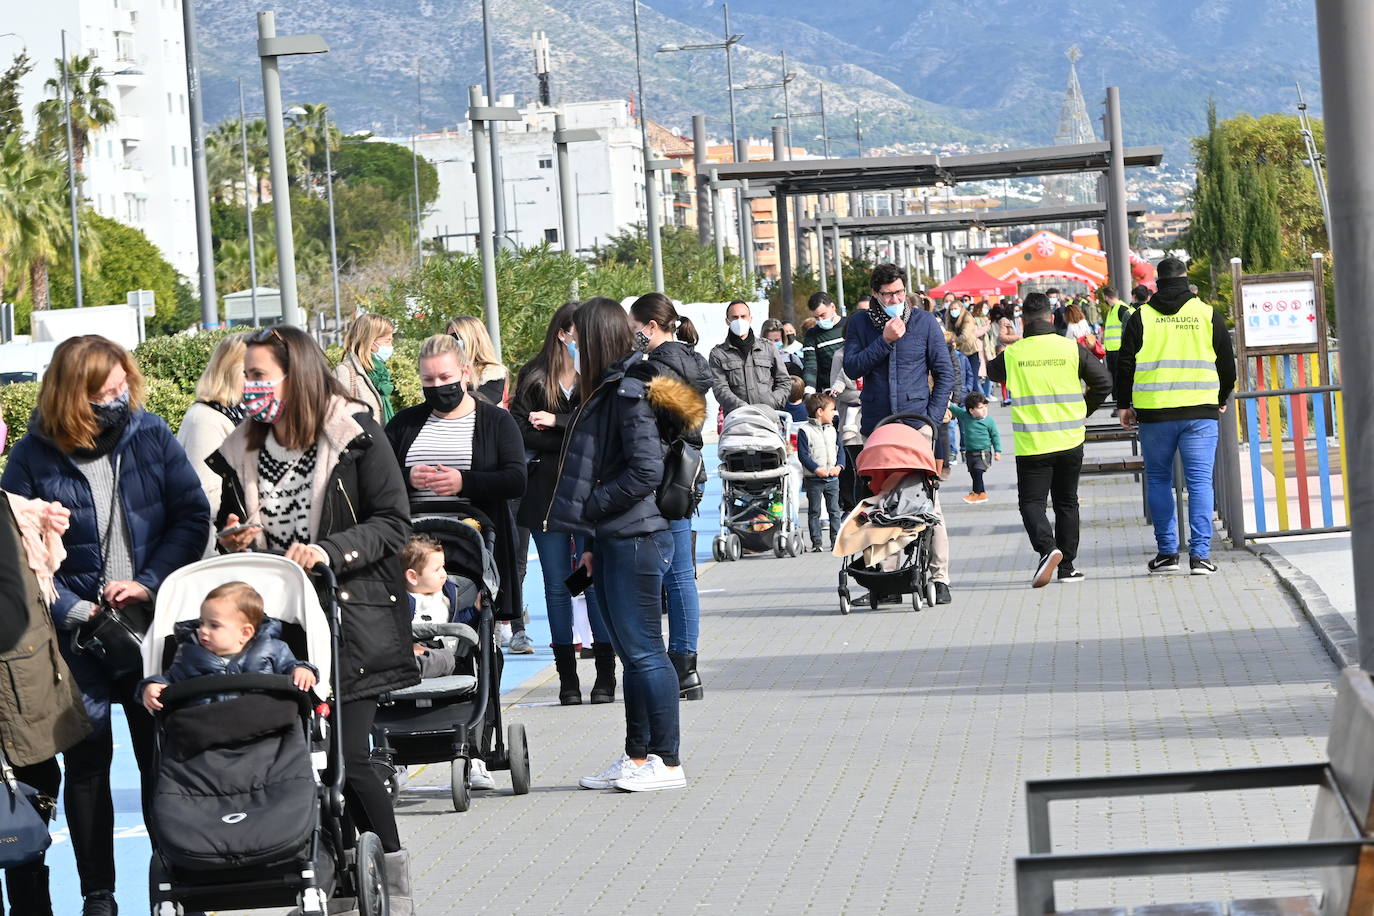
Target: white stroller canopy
(287, 594)
(751, 428)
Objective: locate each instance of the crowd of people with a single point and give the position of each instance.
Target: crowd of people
(282, 452)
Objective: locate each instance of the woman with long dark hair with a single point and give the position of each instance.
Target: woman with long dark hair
(544, 400)
(611, 468)
(137, 514)
(669, 341)
(312, 475)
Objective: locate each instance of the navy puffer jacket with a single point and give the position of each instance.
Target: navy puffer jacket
(265, 653)
(164, 506)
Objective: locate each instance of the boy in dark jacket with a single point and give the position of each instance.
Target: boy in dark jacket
(233, 636)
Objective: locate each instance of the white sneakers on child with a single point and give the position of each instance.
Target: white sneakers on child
(624, 774)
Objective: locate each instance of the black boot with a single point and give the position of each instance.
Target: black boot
(688, 681)
(603, 690)
(28, 890)
(565, 661)
(99, 903)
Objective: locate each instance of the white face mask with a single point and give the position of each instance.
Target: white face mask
(384, 353)
(954, 313)
(740, 327)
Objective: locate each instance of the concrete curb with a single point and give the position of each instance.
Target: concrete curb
(1333, 631)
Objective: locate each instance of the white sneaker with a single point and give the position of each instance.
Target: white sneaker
(606, 779)
(503, 635)
(478, 777)
(654, 775)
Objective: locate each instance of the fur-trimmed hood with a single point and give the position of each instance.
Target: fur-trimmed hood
(679, 409)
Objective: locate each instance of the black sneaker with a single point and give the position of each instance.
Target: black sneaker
(99, 903)
(1068, 574)
(942, 595)
(1164, 562)
(1048, 564)
(1201, 566)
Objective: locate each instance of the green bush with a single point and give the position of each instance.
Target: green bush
(168, 401)
(180, 359)
(16, 404)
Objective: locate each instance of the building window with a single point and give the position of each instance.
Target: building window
(181, 100)
(124, 46)
(169, 103)
(546, 163)
(551, 236)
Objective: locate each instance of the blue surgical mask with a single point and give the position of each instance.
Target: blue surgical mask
(893, 311)
(826, 324)
(778, 344)
(384, 353)
(572, 352)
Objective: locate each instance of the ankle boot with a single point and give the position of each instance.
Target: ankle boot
(398, 883)
(565, 661)
(28, 890)
(688, 681)
(603, 690)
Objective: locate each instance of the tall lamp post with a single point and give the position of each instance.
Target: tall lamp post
(200, 182)
(248, 211)
(71, 178)
(650, 192)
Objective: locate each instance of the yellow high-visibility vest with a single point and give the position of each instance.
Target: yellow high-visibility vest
(1111, 328)
(1048, 413)
(1177, 364)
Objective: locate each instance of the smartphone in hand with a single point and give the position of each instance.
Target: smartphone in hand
(579, 581)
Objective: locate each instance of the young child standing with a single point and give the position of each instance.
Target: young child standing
(822, 459)
(232, 636)
(796, 401)
(982, 444)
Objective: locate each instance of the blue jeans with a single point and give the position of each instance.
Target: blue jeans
(558, 553)
(818, 489)
(1196, 443)
(953, 426)
(971, 364)
(629, 576)
(684, 606)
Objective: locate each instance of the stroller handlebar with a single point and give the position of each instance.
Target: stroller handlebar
(903, 417)
(195, 688)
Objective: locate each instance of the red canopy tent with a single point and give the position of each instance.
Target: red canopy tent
(974, 281)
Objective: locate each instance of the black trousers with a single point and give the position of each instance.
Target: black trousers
(1054, 475)
(1111, 369)
(87, 800)
(367, 806)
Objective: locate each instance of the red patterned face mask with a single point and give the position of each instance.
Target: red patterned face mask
(260, 400)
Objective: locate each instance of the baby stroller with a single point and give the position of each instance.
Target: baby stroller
(449, 719)
(886, 540)
(240, 817)
(758, 509)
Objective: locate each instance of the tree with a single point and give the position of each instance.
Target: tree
(89, 109)
(1217, 205)
(33, 217)
(389, 166)
(11, 107)
(624, 267)
(366, 220)
(1262, 237)
(126, 261)
(305, 140)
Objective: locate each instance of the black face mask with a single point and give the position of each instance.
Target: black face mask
(112, 414)
(444, 398)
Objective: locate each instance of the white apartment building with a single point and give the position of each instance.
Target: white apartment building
(607, 175)
(138, 170)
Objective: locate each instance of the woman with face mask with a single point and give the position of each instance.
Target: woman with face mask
(137, 514)
(311, 476)
(363, 371)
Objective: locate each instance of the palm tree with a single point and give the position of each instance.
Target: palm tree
(224, 162)
(33, 216)
(305, 138)
(90, 110)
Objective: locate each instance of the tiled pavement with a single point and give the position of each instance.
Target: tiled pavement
(874, 763)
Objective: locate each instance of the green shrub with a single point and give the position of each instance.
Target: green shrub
(168, 401)
(180, 359)
(16, 404)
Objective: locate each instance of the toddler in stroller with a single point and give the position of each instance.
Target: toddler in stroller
(886, 540)
(232, 636)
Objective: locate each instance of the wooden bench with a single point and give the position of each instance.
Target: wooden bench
(1340, 847)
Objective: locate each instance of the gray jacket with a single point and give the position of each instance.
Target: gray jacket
(756, 377)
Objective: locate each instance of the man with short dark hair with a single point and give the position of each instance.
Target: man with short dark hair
(1174, 373)
(746, 368)
(1045, 372)
(821, 343)
(900, 354)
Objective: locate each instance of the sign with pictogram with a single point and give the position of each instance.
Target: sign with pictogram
(1279, 313)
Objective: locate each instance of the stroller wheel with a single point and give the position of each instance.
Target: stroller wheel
(930, 592)
(734, 547)
(796, 546)
(916, 598)
(844, 601)
(782, 545)
(370, 878)
(519, 753)
(458, 782)
(718, 549)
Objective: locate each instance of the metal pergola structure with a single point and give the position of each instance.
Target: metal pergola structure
(927, 223)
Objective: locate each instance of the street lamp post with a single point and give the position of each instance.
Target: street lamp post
(480, 114)
(567, 187)
(248, 211)
(650, 192)
(270, 47)
(333, 237)
(494, 137)
(200, 181)
(71, 179)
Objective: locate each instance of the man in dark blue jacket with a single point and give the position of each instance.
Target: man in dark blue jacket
(901, 356)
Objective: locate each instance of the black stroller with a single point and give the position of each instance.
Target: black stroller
(896, 528)
(240, 816)
(450, 719)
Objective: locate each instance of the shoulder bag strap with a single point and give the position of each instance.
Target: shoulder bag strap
(115, 462)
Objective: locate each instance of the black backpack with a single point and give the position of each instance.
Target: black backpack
(684, 474)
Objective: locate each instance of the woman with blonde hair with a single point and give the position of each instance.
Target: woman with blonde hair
(218, 408)
(137, 514)
(363, 372)
(488, 375)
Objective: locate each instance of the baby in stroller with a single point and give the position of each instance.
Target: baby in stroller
(232, 636)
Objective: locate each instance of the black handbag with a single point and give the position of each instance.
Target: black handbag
(114, 636)
(24, 833)
(684, 472)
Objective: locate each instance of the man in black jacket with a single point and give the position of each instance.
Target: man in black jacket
(1174, 373)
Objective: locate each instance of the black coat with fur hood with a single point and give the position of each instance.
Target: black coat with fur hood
(360, 518)
(612, 461)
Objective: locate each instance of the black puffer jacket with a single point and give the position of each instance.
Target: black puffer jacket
(612, 460)
(360, 517)
(689, 366)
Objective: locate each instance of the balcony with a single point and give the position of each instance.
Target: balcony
(129, 128)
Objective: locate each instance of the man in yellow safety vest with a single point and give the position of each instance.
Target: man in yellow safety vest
(1175, 370)
(1046, 373)
(1116, 315)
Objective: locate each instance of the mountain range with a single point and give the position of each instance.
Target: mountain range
(919, 74)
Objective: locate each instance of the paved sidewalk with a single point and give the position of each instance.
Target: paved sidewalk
(875, 762)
